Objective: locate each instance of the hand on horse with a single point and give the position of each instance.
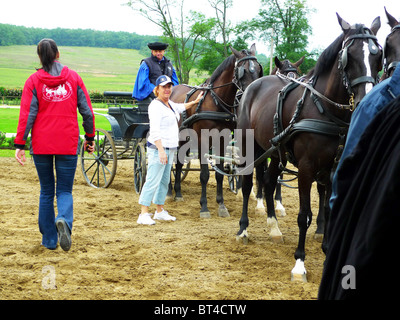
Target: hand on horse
(20, 156)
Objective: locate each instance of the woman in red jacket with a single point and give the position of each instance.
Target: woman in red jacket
(49, 104)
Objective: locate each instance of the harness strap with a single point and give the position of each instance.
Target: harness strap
(208, 115)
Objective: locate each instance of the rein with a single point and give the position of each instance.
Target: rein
(318, 94)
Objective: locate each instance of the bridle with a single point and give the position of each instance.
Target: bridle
(389, 68)
(239, 70)
(374, 48)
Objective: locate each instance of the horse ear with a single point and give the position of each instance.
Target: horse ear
(298, 63)
(278, 63)
(376, 24)
(253, 49)
(235, 52)
(343, 24)
(391, 20)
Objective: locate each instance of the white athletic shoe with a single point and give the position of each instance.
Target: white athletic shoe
(145, 218)
(163, 215)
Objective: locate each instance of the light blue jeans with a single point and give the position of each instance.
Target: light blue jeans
(60, 186)
(157, 179)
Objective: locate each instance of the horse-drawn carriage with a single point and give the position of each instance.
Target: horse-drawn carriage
(126, 140)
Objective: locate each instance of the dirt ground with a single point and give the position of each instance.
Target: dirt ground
(112, 257)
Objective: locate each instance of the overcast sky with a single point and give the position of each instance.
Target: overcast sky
(112, 16)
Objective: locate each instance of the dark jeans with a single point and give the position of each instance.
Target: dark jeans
(59, 185)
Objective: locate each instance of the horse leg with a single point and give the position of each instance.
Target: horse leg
(204, 176)
(222, 210)
(177, 185)
(260, 209)
(169, 193)
(270, 183)
(304, 220)
(279, 208)
(247, 185)
(327, 212)
(319, 233)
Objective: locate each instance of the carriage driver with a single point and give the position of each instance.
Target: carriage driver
(150, 69)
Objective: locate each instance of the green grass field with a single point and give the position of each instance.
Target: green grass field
(102, 69)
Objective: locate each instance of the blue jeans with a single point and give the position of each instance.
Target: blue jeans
(65, 166)
(157, 179)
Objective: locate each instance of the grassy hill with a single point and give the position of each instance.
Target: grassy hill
(102, 69)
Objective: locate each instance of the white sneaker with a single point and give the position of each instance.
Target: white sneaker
(163, 215)
(145, 218)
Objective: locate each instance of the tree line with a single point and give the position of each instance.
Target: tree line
(20, 35)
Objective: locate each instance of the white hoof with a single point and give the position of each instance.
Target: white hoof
(243, 237)
(299, 272)
(260, 209)
(279, 209)
(275, 234)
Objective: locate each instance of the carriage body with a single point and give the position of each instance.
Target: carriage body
(129, 123)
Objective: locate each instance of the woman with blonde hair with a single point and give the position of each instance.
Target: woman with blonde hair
(162, 144)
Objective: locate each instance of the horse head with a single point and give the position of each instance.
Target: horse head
(391, 47)
(360, 58)
(247, 67)
(288, 68)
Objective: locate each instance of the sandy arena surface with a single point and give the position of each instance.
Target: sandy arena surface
(112, 257)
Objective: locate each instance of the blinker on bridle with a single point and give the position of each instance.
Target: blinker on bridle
(343, 59)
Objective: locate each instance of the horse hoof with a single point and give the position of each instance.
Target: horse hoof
(223, 213)
(299, 272)
(299, 277)
(276, 238)
(279, 209)
(178, 199)
(259, 211)
(319, 237)
(243, 237)
(205, 215)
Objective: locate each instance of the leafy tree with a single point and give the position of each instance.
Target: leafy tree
(286, 22)
(182, 33)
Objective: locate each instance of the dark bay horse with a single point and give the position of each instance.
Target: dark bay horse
(290, 69)
(215, 113)
(391, 47)
(306, 122)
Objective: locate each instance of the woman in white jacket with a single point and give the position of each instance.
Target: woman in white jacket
(162, 144)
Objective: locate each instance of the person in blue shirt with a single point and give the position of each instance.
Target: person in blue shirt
(373, 102)
(150, 69)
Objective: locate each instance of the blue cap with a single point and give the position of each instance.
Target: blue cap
(163, 80)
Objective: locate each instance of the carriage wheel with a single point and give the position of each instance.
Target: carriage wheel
(139, 167)
(100, 167)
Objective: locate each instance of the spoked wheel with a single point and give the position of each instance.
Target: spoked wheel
(99, 168)
(139, 167)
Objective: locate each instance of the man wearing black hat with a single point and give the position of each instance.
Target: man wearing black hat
(150, 69)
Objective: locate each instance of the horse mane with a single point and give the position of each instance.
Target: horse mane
(328, 57)
(221, 68)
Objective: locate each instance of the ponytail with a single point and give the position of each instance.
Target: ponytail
(47, 51)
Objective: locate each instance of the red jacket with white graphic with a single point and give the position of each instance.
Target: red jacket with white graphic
(49, 108)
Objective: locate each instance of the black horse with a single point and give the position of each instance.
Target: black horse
(305, 122)
(391, 47)
(215, 113)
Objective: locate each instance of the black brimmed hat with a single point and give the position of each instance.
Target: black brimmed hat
(157, 46)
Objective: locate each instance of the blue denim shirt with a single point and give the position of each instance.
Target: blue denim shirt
(372, 103)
